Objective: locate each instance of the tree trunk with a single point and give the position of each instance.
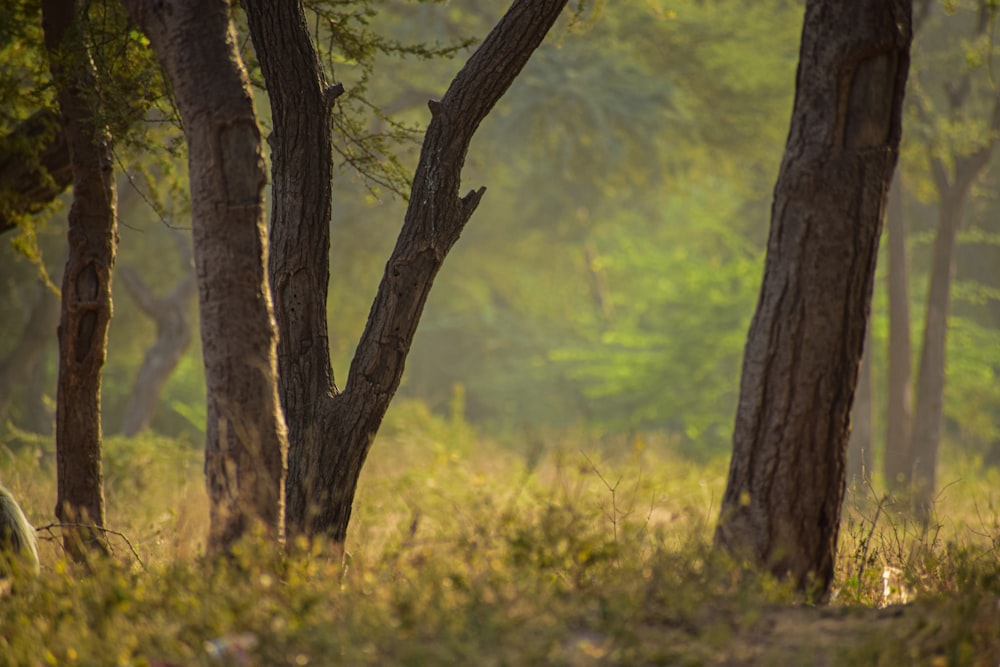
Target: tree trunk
(299, 264)
(246, 444)
(898, 422)
(859, 446)
(38, 416)
(331, 432)
(86, 285)
(953, 193)
(930, 376)
(173, 335)
(781, 508)
(17, 368)
(953, 182)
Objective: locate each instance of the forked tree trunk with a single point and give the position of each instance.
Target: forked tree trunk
(173, 335)
(953, 179)
(246, 443)
(953, 191)
(86, 285)
(897, 459)
(781, 508)
(331, 432)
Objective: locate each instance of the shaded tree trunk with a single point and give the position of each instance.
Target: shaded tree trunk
(953, 190)
(246, 444)
(953, 179)
(781, 508)
(86, 285)
(897, 459)
(330, 431)
(859, 447)
(38, 416)
(173, 335)
(18, 367)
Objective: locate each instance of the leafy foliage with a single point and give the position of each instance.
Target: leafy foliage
(682, 294)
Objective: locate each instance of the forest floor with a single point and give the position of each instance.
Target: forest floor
(459, 554)
(900, 635)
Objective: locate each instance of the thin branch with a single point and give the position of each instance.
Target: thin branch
(50, 526)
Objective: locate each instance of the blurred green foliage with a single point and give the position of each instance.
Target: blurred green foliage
(606, 282)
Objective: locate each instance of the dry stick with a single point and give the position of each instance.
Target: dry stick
(613, 490)
(868, 540)
(50, 526)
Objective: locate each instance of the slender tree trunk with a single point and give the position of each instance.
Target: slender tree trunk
(953, 182)
(899, 401)
(173, 335)
(931, 373)
(86, 285)
(331, 432)
(930, 377)
(246, 443)
(859, 447)
(953, 190)
(781, 508)
(38, 417)
(17, 367)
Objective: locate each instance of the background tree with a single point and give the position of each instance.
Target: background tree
(862, 436)
(783, 497)
(245, 451)
(897, 458)
(954, 167)
(662, 221)
(173, 335)
(19, 365)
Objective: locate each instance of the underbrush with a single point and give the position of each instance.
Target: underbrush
(463, 553)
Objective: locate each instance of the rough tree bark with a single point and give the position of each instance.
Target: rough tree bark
(246, 444)
(86, 285)
(330, 431)
(897, 459)
(781, 508)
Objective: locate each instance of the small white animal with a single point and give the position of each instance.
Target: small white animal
(18, 543)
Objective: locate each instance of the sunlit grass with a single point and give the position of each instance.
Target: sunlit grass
(568, 550)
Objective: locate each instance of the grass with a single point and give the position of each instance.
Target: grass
(462, 553)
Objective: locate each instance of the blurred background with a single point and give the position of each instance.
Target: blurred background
(605, 285)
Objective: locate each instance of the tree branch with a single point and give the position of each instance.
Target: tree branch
(34, 167)
(436, 216)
